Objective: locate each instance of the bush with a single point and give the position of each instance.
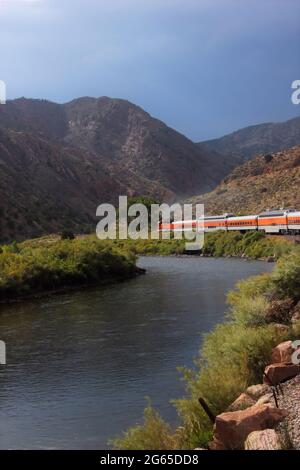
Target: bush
(42, 265)
(249, 301)
(153, 434)
(286, 277)
(250, 311)
(67, 235)
(279, 311)
(12, 248)
(251, 245)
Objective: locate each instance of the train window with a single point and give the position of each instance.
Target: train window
(270, 214)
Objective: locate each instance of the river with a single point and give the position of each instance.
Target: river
(80, 365)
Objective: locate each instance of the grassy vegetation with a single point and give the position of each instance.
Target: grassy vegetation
(152, 247)
(233, 356)
(153, 434)
(49, 264)
(253, 245)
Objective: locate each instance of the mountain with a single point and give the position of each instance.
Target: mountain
(265, 181)
(45, 187)
(262, 138)
(58, 162)
(140, 152)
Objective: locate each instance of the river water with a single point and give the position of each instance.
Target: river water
(80, 365)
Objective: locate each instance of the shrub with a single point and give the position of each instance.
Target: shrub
(286, 276)
(280, 311)
(250, 311)
(67, 235)
(268, 158)
(12, 248)
(251, 288)
(153, 434)
(252, 244)
(41, 265)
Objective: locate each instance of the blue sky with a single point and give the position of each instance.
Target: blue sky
(205, 67)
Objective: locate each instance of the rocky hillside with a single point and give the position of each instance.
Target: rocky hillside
(266, 181)
(142, 153)
(139, 150)
(45, 187)
(263, 138)
(58, 162)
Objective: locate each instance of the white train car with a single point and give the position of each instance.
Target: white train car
(293, 220)
(242, 223)
(273, 221)
(283, 221)
(213, 223)
(182, 226)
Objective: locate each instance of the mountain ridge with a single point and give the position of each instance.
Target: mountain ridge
(125, 138)
(255, 139)
(265, 181)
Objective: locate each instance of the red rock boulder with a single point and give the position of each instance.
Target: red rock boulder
(257, 391)
(280, 372)
(263, 440)
(242, 402)
(232, 428)
(282, 353)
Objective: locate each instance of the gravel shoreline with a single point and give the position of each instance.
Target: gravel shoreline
(290, 401)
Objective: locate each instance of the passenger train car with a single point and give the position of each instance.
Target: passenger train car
(285, 222)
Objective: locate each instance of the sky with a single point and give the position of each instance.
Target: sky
(204, 67)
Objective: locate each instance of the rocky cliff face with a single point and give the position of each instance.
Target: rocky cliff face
(266, 181)
(140, 150)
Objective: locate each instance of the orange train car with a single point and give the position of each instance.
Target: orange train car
(294, 222)
(285, 221)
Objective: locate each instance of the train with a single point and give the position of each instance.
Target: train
(281, 222)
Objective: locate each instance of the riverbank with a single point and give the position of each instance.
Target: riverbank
(252, 245)
(263, 312)
(48, 265)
